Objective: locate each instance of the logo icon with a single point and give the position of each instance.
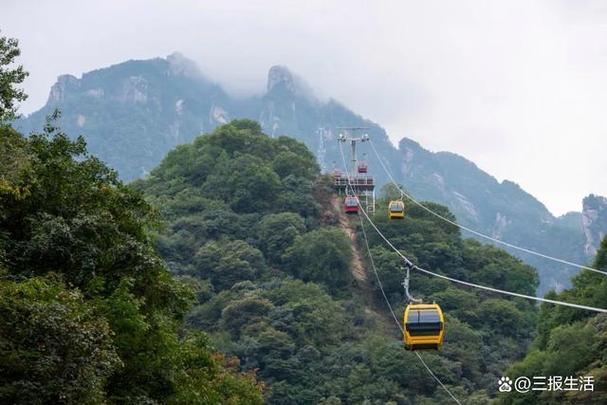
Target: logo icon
(504, 384)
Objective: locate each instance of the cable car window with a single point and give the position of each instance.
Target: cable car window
(350, 202)
(424, 323)
(428, 316)
(395, 207)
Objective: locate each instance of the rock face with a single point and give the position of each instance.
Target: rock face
(66, 84)
(280, 76)
(594, 222)
(133, 113)
(179, 65)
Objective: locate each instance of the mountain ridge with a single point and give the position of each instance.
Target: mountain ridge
(133, 113)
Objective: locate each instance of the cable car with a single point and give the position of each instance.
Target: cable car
(396, 210)
(362, 167)
(424, 327)
(351, 204)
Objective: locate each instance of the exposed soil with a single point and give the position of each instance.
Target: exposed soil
(358, 268)
(344, 222)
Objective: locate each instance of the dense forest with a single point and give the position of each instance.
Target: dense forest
(570, 342)
(227, 276)
(90, 313)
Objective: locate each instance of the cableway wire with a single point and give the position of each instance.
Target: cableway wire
(472, 231)
(382, 288)
(466, 283)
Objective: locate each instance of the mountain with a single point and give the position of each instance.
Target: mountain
(133, 113)
(504, 211)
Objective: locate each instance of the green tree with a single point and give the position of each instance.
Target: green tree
(246, 183)
(289, 163)
(322, 256)
(502, 317)
(245, 312)
(390, 270)
(570, 341)
(10, 77)
(227, 262)
(55, 346)
(112, 332)
(277, 232)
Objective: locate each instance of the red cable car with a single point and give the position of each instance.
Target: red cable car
(362, 167)
(351, 204)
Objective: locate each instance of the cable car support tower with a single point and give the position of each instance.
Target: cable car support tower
(360, 183)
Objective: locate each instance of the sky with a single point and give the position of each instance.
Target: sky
(518, 87)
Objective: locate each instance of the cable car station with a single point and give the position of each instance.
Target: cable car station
(356, 185)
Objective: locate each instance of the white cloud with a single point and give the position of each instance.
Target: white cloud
(518, 87)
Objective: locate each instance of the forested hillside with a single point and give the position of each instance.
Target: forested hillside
(88, 311)
(249, 223)
(502, 210)
(570, 342)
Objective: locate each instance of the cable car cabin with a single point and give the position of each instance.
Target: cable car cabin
(396, 210)
(362, 167)
(424, 327)
(351, 204)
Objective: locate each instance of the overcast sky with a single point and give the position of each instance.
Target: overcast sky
(518, 87)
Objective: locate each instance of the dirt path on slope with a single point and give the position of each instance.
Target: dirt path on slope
(356, 267)
(359, 271)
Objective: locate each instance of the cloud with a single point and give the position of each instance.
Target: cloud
(518, 87)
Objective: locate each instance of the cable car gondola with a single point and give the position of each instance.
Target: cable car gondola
(396, 210)
(424, 327)
(351, 204)
(362, 167)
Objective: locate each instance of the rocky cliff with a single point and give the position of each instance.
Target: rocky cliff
(132, 113)
(594, 222)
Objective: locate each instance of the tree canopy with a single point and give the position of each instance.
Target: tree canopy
(569, 341)
(90, 313)
(11, 77)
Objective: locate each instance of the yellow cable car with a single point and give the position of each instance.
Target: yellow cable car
(424, 327)
(396, 210)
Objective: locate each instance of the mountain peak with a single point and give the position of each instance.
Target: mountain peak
(280, 77)
(61, 87)
(181, 65)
